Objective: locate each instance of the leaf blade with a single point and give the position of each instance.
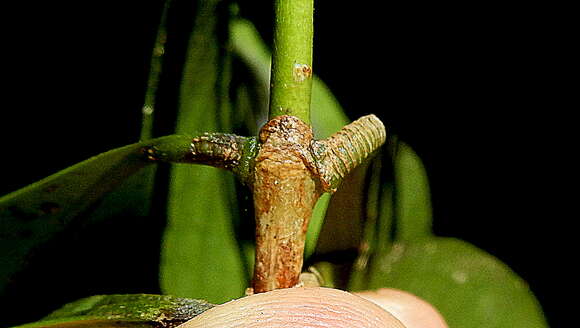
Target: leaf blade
(200, 255)
(33, 214)
(132, 310)
(412, 195)
(468, 286)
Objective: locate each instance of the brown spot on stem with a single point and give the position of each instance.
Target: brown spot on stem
(150, 152)
(301, 72)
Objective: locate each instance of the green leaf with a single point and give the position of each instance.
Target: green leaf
(139, 310)
(327, 115)
(34, 214)
(413, 199)
(468, 286)
(200, 255)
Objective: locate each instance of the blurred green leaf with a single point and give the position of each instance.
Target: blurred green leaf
(412, 195)
(32, 215)
(327, 115)
(468, 286)
(200, 255)
(140, 310)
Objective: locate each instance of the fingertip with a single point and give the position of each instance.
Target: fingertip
(411, 310)
(297, 307)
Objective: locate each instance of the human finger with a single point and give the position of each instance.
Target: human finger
(412, 311)
(297, 308)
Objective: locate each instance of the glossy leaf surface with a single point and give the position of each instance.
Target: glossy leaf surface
(139, 310)
(200, 255)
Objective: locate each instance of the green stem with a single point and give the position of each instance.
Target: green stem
(220, 150)
(291, 81)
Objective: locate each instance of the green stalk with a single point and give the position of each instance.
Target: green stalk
(291, 81)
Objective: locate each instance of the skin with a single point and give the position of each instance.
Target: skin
(408, 308)
(316, 307)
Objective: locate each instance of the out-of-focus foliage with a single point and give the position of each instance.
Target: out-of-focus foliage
(200, 255)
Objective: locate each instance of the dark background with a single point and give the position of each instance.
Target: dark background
(469, 86)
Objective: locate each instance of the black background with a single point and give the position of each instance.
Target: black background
(469, 86)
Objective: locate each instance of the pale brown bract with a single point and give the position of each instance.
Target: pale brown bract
(285, 191)
(339, 154)
(291, 171)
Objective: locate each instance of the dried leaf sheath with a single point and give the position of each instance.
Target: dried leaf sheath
(291, 172)
(344, 150)
(285, 190)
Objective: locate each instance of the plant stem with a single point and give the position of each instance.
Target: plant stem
(291, 81)
(219, 150)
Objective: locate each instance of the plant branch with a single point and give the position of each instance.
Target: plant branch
(221, 150)
(291, 80)
(339, 154)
